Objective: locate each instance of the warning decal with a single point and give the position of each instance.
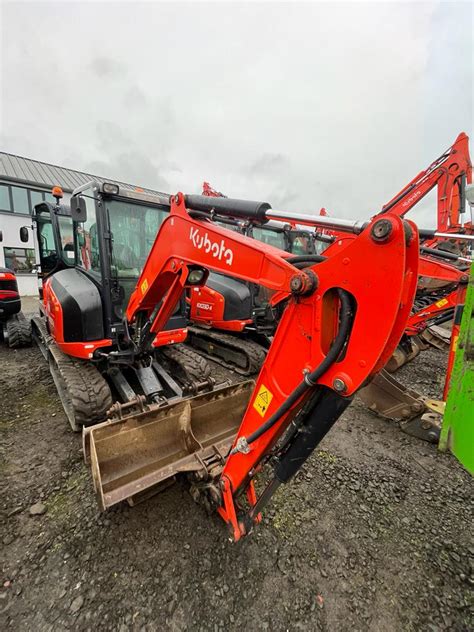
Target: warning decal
(262, 400)
(455, 344)
(442, 302)
(144, 286)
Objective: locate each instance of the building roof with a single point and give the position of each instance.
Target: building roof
(35, 172)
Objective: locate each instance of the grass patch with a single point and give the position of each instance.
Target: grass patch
(61, 503)
(324, 455)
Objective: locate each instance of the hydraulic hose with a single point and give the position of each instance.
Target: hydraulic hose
(311, 378)
(309, 259)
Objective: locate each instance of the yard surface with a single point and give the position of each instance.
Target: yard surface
(375, 533)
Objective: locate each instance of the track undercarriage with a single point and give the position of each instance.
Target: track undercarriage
(88, 390)
(240, 354)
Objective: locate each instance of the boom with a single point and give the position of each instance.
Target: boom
(320, 354)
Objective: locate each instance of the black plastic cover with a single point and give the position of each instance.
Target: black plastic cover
(236, 294)
(81, 305)
(243, 209)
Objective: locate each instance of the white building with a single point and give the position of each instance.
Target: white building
(23, 183)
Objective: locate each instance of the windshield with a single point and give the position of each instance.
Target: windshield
(134, 228)
(270, 237)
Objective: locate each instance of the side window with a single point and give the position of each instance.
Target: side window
(20, 200)
(48, 254)
(270, 237)
(5, 204)
(301, 244)
(67, 239)
(235, 227)
(87, 239)
(36, 197)
(46, 239)
(20, 260)
(49, 197)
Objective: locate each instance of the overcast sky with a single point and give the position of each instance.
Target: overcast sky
(303, 105)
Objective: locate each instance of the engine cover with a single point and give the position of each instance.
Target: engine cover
(236, 294)
(81, 306)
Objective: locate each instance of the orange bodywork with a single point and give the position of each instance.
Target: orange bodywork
(301, 339)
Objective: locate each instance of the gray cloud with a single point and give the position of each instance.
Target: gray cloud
(307, 105)
(106, 67)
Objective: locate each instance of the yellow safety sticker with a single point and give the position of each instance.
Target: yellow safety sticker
(455, 343)
(144, 286)
(262, 400)
(442, 302)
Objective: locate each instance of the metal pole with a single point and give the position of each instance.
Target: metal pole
(346, 225)
(455, 236)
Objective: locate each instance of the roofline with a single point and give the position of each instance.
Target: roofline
(82, 173)
(32, 183)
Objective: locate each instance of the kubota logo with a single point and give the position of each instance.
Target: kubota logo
(219, 251)
(412, 198)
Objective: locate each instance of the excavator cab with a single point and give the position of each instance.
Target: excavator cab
(112, 243)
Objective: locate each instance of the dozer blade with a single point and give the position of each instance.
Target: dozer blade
(437, 336)
(133, 453)
(417, 415)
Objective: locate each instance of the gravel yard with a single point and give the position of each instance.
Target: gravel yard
(375, 533)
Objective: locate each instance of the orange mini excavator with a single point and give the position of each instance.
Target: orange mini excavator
(334, 334)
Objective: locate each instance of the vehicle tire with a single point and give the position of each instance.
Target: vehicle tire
(17, 332)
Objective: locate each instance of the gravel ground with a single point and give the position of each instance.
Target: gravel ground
(375, 533)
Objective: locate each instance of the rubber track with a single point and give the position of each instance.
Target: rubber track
(19, 332)
(255, 353)
(88, 391)
(194, 366)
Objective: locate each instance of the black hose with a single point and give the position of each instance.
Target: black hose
(442, 254)
(443, 318)
(309, 259)
(311, 378)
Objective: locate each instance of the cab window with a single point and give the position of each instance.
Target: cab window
(301, 244)
(270, 237)
(67, 239)
(87, 239)
(134, 228)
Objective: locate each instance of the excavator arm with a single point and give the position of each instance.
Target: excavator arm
(449, 173)
(340, 325)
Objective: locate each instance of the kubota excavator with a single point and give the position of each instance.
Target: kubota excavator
(329, 341)
(88, 271)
